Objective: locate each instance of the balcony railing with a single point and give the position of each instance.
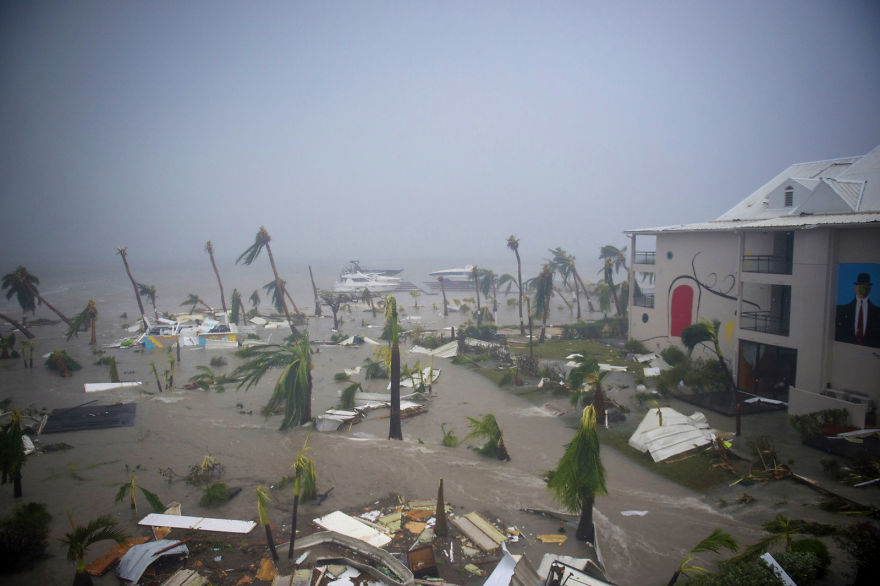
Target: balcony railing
(766, 263)
(763, 321)
(646, 300)
(645, 258)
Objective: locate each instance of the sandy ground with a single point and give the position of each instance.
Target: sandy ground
(178, 428)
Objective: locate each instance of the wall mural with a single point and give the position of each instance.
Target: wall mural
(857, 318)
(683, 306)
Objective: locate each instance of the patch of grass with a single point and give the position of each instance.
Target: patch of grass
(696, 472)
(559, 349)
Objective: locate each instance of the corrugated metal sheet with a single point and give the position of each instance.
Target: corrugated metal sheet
(779, 222)
(849, 191)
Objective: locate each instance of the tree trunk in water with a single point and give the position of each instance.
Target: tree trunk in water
(219, 282)
(522, 328)
(477, 288)
(307, 408)
(50, 306)
(280, 288)
(82, 578)
(674, 578)
(137, 294)
(94, 339)
(395, 431)
(577, 298)
(443, 290)
(585, 530)
(315, 290)
(293, 526)
(271, 543)
(16, 487)
(18, 326)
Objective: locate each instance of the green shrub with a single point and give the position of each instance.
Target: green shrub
(673, 355)
(215, 495)
(802, 567)
(862, 542)
(581, 331)
(818, 549)
(809, 425)
(486, 332)
(24, 537)
(738, 574)
(636, 346)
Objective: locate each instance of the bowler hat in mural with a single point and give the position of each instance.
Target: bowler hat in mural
(863, 279)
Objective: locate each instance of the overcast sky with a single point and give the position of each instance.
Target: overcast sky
(383, 130)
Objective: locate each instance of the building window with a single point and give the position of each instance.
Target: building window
(789, 196)
(765, 369)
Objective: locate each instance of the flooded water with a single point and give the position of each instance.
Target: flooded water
(177, 428)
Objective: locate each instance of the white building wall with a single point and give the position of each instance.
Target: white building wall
(707, 264)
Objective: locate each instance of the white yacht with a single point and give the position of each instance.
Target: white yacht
(356, 282)
(455, 275)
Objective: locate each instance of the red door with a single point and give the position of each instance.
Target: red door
(681, 309)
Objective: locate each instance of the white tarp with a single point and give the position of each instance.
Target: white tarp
(341, 523)
(679, 433)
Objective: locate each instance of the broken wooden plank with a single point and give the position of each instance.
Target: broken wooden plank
(486, 527)
(474, 533)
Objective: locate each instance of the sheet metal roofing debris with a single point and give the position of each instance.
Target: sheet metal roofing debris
(678, 433)
(138, 558)
(448, 350)
(91, 417)
(346, 525)
(199, 523)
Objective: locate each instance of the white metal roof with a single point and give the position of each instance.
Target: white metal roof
(776, 223)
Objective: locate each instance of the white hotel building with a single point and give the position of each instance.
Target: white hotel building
(780, 272)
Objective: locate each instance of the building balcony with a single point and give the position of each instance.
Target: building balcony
(646, 300)
(766, 263)
(645, 258)
(764, 321)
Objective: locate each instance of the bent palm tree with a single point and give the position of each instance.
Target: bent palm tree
(706, 331)
(209, 248)
(304, 485)
(717, 540)
(255, 299)
(513, 244)
(80, 538)
(261, 241)
(543, 285)
(193, 300)
(87, 316)
(123, 253)
(17, 326)
(443, 290)
(149, 291)
(293, 389)
(23, 285)
(615, 259)
(315, 291)
(263, 500)
(477, 289)
(395, 431)
(580, 477)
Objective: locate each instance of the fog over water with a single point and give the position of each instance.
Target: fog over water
(406, 131)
